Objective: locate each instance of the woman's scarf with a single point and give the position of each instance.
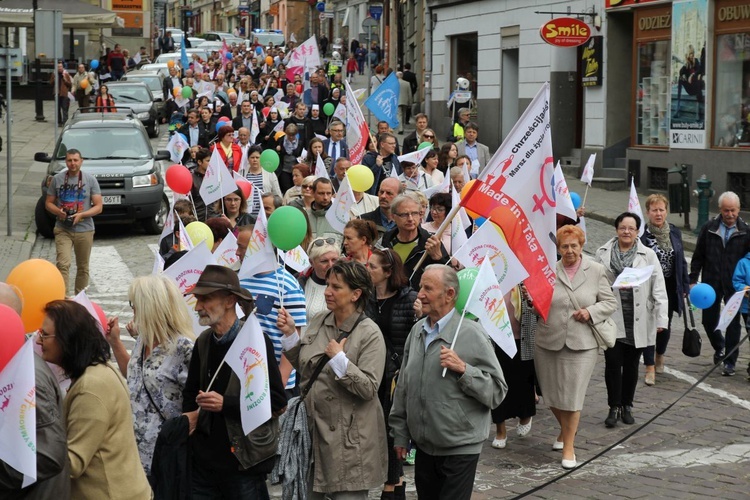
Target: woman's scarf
(620, 260)
(290, 146)
(661, 235)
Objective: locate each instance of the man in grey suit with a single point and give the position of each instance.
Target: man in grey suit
(478, 153)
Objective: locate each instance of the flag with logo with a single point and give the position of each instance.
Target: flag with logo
(487, 304)
(634, 206)
(458, 232)
(185, 242)
(384, 101)
(488, 241)
(305, 55)
(296, 258)
(588, 170)
(226, 253)
(177, 146)
(340, 212)
(357, 132)
(340, 112)
(279, 127)
(443, 187)
(247, 358)
(260, 256)
(456, 201)
(254, 128)
(18, 414)
(223, 52)
(168, 230)
(516, 189)
(564, 203)
(217, 182)
(185, 274)
(158, 264)
(320, 168)
(730, 310)
(415, 157)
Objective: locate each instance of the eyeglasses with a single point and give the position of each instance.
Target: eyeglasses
(406, 215)
(319, 242)
(438, 209)
(43, 335)
(627, 229)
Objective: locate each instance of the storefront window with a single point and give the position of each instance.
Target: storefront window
(652, 94)
(732, 91)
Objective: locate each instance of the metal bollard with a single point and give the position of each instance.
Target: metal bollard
(704, 194)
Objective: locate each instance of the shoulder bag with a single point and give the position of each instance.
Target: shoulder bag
(691, 339)
(605, 332)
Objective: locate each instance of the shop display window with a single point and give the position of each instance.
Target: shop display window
(652, 94)
(732, 110)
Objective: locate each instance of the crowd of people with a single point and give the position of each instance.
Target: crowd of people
(365, 332)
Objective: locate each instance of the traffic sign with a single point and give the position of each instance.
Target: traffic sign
(376, 11)
(369, 23)
(326, 15)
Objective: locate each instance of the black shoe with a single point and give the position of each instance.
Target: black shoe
(399, 492)
(627, 415)
(718, 356)
(613, 417)
(728, 370)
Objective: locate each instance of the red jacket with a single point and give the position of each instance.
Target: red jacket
(236, 155)
(351, 65)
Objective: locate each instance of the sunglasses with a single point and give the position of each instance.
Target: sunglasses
(428, 136)
(319, 242)
(387, 254)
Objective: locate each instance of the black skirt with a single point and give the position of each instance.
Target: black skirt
(520, 376)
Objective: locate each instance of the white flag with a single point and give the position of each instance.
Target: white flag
(634, 206)
(185, 274)
(588, 170)
(582, 225)
(306, 54)
(247, 358)
(226, 252)
(394, 174)
(487, 304)
(254, 128)
(488, 241)
(168, 230)
(279, 127)
(277, 97)
(84, 300)
(340, 112)
(158, 265)
(320, 168)
(260, 256)
(296, 258)
(455, 201)
(633, 276)
(415, 157)
(177, 146)
(340, 212)
(357, 131)
(292, 38)
(730, 310)
(443, 187)
(283, 109)
(185, 242)
(359, 93)
(18, 413)
(458, 232)
(563, 201)
(218, 181)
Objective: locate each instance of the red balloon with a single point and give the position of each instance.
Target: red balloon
(265, 111)
(179, 179)
(246, 188)
(100, 316)
(12, 334)
(223, 119)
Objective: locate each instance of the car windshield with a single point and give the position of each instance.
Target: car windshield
(153, 82)
(105, 143)
(266, 38)
(127, 93)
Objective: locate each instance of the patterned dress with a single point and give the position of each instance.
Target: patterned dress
(164, 374)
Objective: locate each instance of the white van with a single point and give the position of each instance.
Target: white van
(266, 37)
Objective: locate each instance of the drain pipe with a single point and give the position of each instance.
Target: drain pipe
(428, 63)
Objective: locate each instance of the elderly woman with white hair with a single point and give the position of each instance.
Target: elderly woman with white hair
(323, 254)
(158, 368)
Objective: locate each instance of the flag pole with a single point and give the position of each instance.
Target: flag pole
(585, 194)
(446, 223)
(192, 204)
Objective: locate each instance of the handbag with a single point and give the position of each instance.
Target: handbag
(691, 339)
(605, 332)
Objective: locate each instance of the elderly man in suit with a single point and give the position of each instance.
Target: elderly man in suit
(478, 153)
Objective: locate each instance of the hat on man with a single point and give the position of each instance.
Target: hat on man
(219, 278)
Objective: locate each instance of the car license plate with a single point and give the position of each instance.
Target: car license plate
(112, 200)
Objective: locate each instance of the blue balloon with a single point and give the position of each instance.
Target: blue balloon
(702, 296)
(259, 50)
(94, 63)
(229, 56)
(219, 125)
(576, 200)
(479, 221)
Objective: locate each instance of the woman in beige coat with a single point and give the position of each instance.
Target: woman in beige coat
(642, 313)
(347, 422)
(566, 350)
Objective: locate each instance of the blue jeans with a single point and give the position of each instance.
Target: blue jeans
(209, 485)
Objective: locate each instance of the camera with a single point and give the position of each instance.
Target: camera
(69, 215)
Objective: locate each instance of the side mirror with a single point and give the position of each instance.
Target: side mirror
(162, 155)
(42, 157)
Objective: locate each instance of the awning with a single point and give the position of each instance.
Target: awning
(76, 14)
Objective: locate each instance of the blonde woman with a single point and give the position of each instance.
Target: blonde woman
(157, 370)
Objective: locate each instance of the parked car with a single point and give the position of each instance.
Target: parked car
(175, 56)
(154, 81)
(267, 37)
(160, 68)
(138, 97)
(194, 41)
(116, 151)
(214, 36)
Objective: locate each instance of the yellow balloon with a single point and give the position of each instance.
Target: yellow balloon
(176, 91)
(39, 282)
(198, 231)
(84, 84)
(360, 177)
(278, 134)
(170, 64)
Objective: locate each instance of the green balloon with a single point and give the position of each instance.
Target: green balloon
(269, 161)
(187, 92)
(466, 278)
(287, 227)
(425, 144)
(328, 109)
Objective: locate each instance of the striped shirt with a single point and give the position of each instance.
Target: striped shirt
(265, 290)
(257, 180)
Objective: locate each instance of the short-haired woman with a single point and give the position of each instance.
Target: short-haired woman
(359, 237)
(323, 254)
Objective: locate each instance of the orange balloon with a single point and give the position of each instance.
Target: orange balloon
(269, 60)
(40, 282)
(176, 91)
(278, 134)
(84, 83)
(465, 190)
(170, 64)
